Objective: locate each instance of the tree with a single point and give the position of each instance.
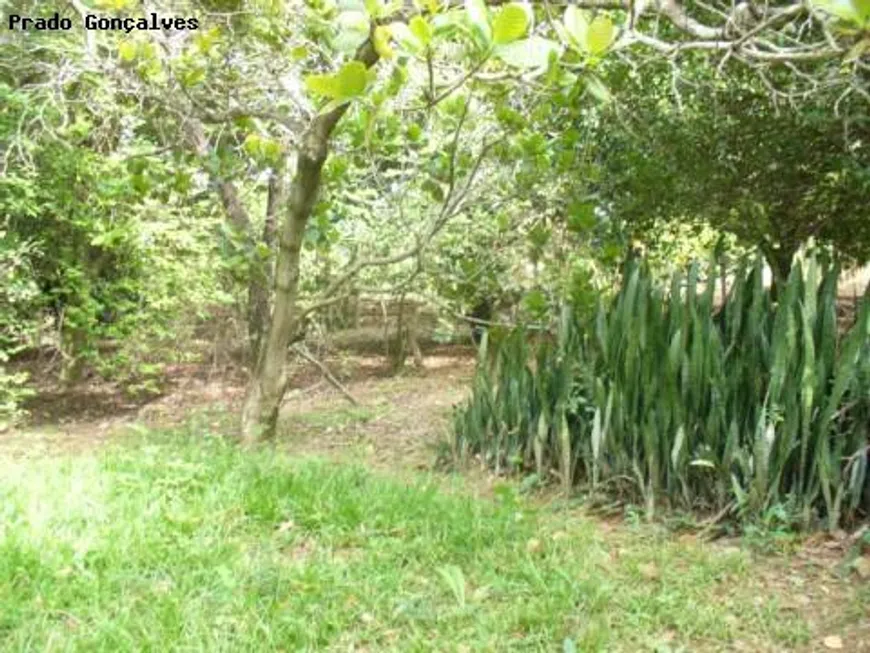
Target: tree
(347, 58)
(720, 152)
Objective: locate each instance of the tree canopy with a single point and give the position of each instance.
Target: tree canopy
(772, 174)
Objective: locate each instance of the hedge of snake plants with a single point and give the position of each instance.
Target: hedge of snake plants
(756, 404)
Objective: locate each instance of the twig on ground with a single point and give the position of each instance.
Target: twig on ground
(302, 350)
(710, 524)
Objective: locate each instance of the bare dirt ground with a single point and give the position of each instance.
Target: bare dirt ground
(397, 424)
(395, 429)
(398, 418)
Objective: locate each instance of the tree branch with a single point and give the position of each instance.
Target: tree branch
(302, 350)
(451, 206)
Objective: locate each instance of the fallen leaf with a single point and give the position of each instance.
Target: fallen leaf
(285, 526)
(534, 545)
(833, 642)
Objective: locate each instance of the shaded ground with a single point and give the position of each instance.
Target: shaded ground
(395, 430)
(397, 424)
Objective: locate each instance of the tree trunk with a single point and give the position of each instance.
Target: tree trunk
(780, 260)
(194, 133)
(73, 340)
(266, 390)
(396, 348)
(269, 382)
(261, 277)
(413, 340)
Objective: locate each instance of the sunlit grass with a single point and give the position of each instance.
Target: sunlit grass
(192, 544)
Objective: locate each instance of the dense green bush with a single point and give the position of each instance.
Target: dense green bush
(103, 256)
(754, 404)
(18, 297)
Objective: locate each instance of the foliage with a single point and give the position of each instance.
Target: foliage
(13, 392)
(98, 246)
(754, 404)
(717, 151)
(106, 134)
(18, 295)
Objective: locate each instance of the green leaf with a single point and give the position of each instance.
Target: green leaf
(405, 37)
(397, 80)
(576, 24)
(600, 35)
(193, 77)
(677, 449)
(414, 132)
(455, 581)
(374, 8)
(862, 9)
(510, 24)
(844, 9)
(535, 302)
(421, 29)
(113, 5)
(478, 17)
(581, 216)
(271, 151)
(252, 144)
(323, 85)
(347, 83)
(533, 52)
(598, 90)
(352, 79)
(204, 42)
(381, 40)
(434, 189)
(127, 50)
(353, 29)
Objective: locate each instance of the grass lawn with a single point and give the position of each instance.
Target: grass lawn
(190, 544)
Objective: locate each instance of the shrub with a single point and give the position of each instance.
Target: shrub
(757, 403)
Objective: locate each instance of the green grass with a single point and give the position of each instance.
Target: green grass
(192, 544)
